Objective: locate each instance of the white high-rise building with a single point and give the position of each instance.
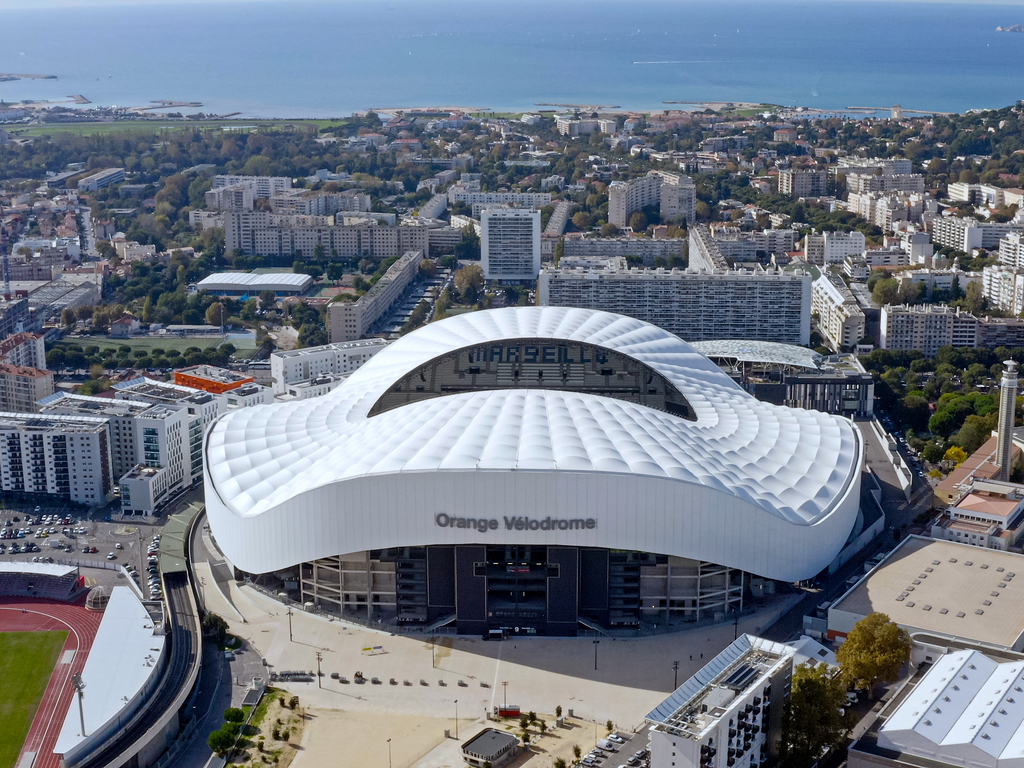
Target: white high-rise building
(969, 233)
(67, 456)
(510, 243)
(1003, 285)
(832, 247)
(1011, 250)
(238, 197)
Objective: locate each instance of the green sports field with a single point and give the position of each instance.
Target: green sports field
(26, 662)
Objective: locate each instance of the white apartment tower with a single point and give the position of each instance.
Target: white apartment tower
(510, 244)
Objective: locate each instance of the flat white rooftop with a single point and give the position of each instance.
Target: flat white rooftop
(254, 281)
(124, 656)
(43, 569)
(944, 587)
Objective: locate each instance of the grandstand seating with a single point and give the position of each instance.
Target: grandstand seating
(28, 584)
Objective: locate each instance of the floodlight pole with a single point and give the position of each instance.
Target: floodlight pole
(79, 685)
(289, 623)
(456, 718)
(319, 674)
(675, 675)
(504, 685)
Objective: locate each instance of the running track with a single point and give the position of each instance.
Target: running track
(32, 615)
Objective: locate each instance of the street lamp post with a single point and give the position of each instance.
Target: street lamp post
(504, 686)
(596, 643)
(389, 753)
(675, 675)
(289, 623)
(319, 674)
(433, 643)
(456, 718)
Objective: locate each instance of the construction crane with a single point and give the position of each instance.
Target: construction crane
(4, 237)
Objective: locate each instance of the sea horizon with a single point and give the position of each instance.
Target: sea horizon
(315, 59)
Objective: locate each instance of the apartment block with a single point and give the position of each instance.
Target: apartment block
(66, 456)
(266, 234)
(737, 245)
(832, 247)
(261, 186)
(305, 202)
(510, 244)
(1011, 250)
(21, 386)
(101, 179)
(1003, 285)
(860, 183)
(338, 360)
(704, 251)
(239, 197)
(674, 195)
(25, 349)
(926, 327)
(886, 165)
(435, 207)
(885, 209)
(697, 305)
(349, 320)
(969, 233)
(803, 183)
(598, 248)
(840, 317)
(459, 194)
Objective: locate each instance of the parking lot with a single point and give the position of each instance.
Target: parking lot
(620, 749)
(84, 537)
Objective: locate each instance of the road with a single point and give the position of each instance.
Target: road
(899, 516)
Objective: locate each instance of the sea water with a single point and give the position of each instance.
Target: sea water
(317, 58)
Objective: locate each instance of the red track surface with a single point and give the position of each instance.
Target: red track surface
(34, 615)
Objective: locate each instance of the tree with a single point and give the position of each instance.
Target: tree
(582, 220)
(638, 221)
(576, 751)
(955, 454)
(471, 276)
(220, 742)
(558, 711)
(215, 625)
(215, 314)
(874, 651)
(234, 715)
(311, 335)
(67, 318)
(560, 762)
(609, 230)
(812, 721)
(610, 726)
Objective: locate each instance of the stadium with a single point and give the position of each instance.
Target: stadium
(535, 470)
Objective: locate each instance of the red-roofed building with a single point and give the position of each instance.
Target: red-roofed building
(21, 386)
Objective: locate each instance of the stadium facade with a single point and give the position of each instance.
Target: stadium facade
(533, 470)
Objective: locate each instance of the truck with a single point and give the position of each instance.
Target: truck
(509, 710)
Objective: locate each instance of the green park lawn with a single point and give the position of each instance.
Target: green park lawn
(26, 663)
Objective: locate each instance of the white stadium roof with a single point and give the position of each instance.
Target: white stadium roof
(765, 488)
(760, 352)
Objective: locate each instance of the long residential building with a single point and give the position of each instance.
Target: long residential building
(64, 456)
(884, 208)
(927, 327)
(261, 186)
(350, 320)
(736, 245)
(645, 248)
(460, 194)
(968, 233)
(696, 305)
(704, 251)
(840, 317)
(101, 179)
(265, 234)
(860, 183)
(307, 202)
(300, 365)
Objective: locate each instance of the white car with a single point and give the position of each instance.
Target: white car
(616, 738)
